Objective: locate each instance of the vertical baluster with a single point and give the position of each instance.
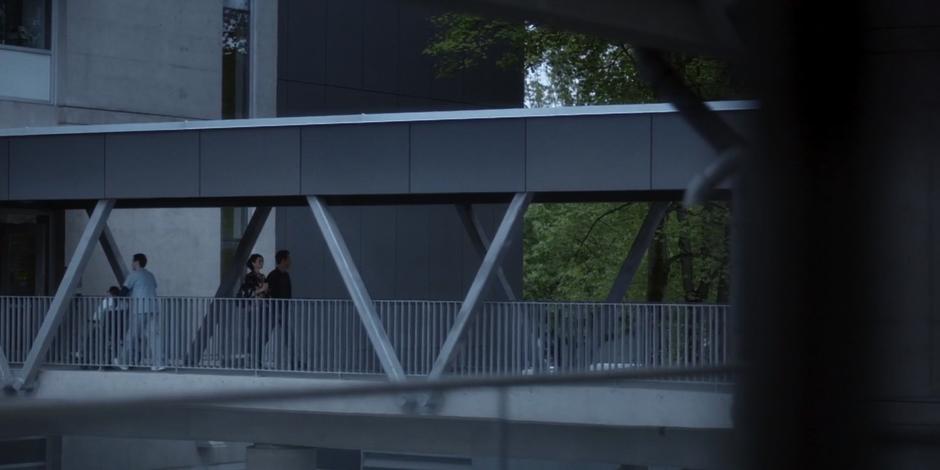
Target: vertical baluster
(497, 340)
(310, 313)
(715, 338)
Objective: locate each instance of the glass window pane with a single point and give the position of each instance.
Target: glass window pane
(25, 23)
(235, 41)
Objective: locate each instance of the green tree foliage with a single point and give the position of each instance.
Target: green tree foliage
(574, 251)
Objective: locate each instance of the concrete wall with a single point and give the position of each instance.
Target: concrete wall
(149, 61)
(682, 425)
(183, 248)
(84, 452)
(150, 56)
(23, 114)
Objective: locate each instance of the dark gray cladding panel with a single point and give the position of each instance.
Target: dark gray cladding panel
(415, 68)
(468, 156)
(679, 152)
(4, 169)
(297, 232)
(411, 254)
(377, 255)
(142, 165)
(402, 252)
(300, 99)
(351, 101)
(446, 244)
(380, 45)
(370, 159)
(305, 52)
(602, 153)
(344, 43)
(251, 162)
(57, 167)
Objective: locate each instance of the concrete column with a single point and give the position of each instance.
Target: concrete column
(270, 456)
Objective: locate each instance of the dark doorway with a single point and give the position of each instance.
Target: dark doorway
(24, 253)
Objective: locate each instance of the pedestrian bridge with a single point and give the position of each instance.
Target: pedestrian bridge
(213, 345)
(61, 349)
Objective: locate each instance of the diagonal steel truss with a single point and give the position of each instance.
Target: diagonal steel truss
(63, 296)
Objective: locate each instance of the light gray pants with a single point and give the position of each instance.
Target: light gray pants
(144, 327)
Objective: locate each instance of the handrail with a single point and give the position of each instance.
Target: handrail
(326, 337)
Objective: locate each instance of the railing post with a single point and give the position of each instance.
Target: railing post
(494, 256)
(64, 293)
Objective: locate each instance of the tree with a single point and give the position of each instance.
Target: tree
(573, 251)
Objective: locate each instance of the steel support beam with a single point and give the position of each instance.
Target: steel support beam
(493, 258)
(113, 254)
(641, 245)
(481, 243)
(63, 295)
(365, 307)
(228, 283)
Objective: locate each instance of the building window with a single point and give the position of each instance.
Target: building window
(236, 34)
(25, 23)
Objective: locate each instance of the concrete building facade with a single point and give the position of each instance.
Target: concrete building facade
(119, 62)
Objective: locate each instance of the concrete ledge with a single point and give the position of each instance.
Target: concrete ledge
(630, 405)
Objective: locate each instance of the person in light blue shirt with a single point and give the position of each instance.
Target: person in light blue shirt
(145, 321)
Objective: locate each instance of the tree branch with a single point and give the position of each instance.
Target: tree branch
(594, 224)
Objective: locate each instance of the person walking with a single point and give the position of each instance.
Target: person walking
(145, 321)
(279, 279)
(87, 353)
(255, 288)
(280, 288)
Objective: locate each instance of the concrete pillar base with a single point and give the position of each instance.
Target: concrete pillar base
(270, 457)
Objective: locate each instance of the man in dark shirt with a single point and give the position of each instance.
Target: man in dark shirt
(283, 313)
(279, 278)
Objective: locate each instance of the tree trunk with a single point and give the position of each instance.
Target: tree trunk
(724, 287)
(685, 257)
(658, 265)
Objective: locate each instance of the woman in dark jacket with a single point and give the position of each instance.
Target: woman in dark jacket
(254, 285)
(256, 314)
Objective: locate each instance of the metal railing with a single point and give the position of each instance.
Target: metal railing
(326, 336)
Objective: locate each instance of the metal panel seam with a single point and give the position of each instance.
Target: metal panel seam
(9, 143)
(104, 165)
(199, 163)
(300, 162)
(525, 154)
(651, 150)
(410, 155)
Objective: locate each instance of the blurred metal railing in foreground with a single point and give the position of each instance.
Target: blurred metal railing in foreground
(325, 336)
